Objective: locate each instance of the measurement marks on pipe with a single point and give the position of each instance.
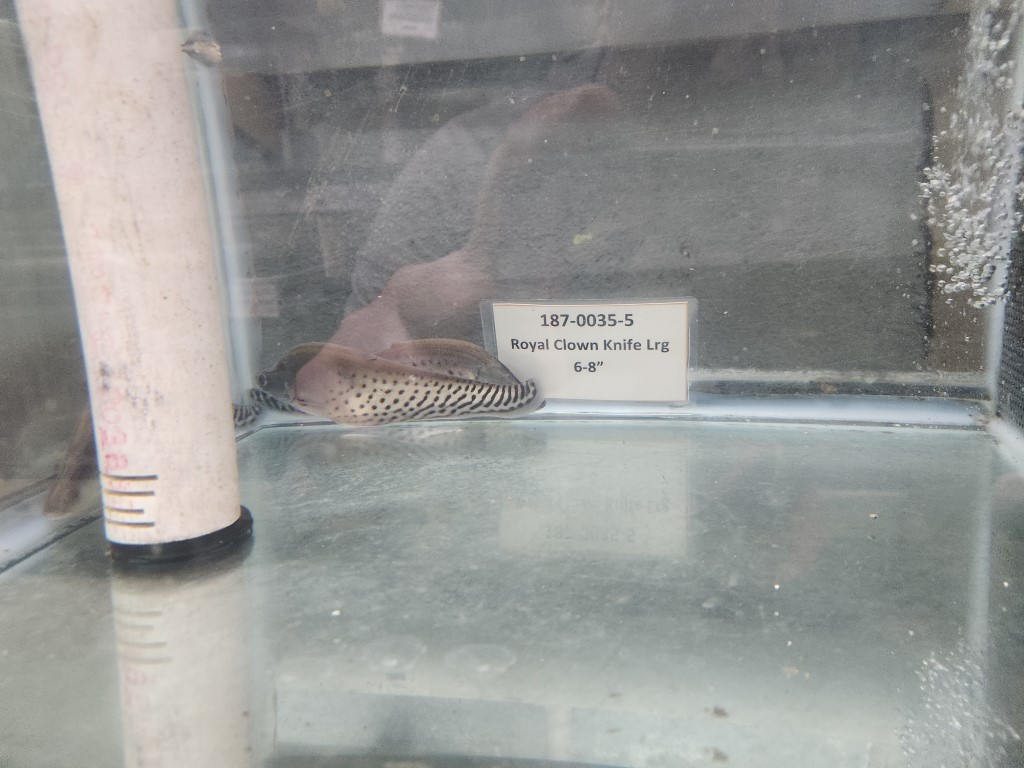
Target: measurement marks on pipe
(130, 478)
(127, 495)
(140, 638)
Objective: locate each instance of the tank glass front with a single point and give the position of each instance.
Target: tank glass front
(815, 559)
(767, 163)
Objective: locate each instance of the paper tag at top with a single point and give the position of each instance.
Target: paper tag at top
(635, 351)
(410, 18)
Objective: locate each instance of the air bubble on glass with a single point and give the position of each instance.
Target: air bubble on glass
(971, 197)
(395, 654)
(481, 659)
(953, 723)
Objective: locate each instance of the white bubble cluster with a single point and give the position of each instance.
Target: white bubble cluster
(953, 724)
(973, 200)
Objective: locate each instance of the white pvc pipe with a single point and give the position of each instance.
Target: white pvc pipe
(110, 81)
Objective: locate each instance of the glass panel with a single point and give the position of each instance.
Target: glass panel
(606, 591)
(622, 593)
(42, 385)
(766, 162)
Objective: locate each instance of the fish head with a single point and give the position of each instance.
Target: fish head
(276, 382)
(281, 380)
(311, 376)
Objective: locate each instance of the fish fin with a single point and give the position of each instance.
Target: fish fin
(350, 352)
(451, 357)
(246, 415)
(257, 400)
(261, 398)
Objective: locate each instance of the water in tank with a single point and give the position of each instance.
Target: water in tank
(549, 383)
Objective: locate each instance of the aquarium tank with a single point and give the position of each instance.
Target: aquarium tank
(435, 383)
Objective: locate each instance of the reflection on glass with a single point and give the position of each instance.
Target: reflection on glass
(184, 684)
(774, 177)
(42, 383)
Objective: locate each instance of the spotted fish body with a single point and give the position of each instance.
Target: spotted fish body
(410, 381)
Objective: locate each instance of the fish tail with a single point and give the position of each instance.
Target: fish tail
(530, 394)
(517, 396)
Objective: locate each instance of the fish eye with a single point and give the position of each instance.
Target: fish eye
(262, 380)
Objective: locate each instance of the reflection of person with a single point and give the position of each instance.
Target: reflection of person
(439, 297)
(774, 189)
(463, 220)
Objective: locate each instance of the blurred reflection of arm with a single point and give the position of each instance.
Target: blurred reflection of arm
(413, 298)
(428, 212)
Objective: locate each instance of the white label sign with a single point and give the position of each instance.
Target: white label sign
(410, 18)
(631, 351)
